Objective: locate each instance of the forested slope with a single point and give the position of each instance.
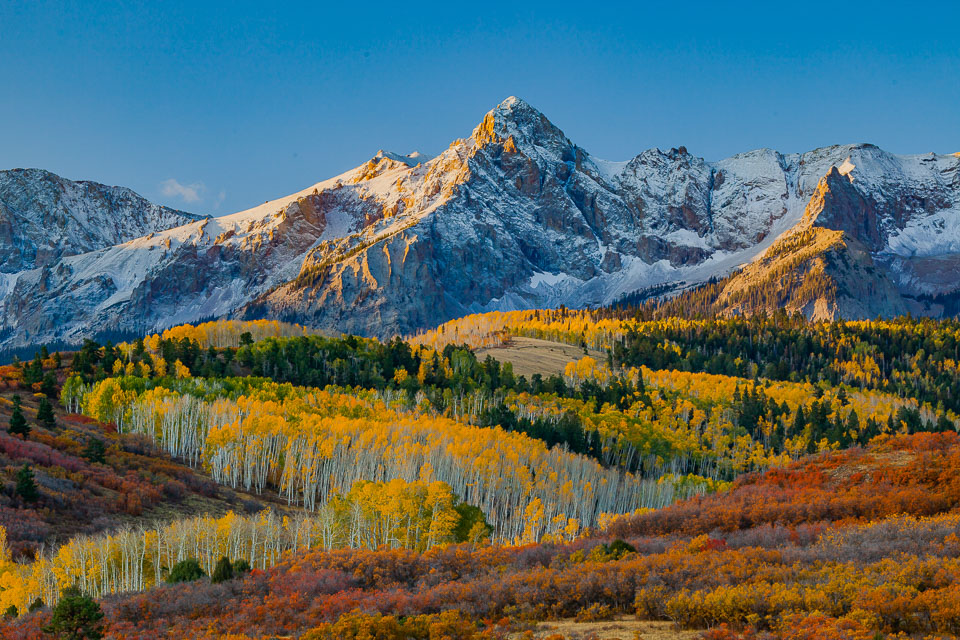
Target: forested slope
(816, 574)
(686, 476)
(87, 477)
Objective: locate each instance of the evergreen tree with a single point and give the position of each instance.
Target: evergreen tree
(853, 423)
(910, 418)
(619, 548)
(223, 571)
(842, 397)
(48, 386)
(779, 436)
(45, 414)
(836, 431)
(76, 617)
(799, 421)
(870, 430)
(18, 424)
(819, 419)
(26, 486)
(472, 524)
(34, 372)
(185, 571)
(95, 451)
(11, 612)
(944, 423)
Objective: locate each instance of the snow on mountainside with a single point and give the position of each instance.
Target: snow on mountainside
(514, 216)
(44, 217)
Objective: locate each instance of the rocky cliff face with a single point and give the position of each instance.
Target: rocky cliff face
(516, 216)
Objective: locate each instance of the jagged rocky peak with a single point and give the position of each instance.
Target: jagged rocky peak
(514, 123)
(381, 163)
(658, 161)
(838, 205)
(875, 195)
(669, 190)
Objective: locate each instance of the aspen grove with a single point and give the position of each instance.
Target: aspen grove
(310, 444)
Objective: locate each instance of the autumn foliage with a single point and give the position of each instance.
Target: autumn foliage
(803, 577)
(760, 478)
(917, 475)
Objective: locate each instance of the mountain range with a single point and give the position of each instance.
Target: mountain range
(514, 216)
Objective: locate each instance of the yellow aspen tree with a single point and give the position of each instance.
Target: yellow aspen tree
(180, 370)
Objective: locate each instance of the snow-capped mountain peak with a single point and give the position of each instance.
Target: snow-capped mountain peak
(410, 159)
(514, 123)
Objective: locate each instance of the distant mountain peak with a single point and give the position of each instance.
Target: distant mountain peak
(44, 217)
(839, 206)
(514, 107)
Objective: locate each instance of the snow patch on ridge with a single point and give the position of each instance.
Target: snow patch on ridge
(7, 282)
(549, 279)
(923, 237)
(687, 238)
(608, 169)
(339, 223)
(410, 159)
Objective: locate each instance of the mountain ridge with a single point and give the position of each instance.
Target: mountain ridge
(514, 216)
(87, 215)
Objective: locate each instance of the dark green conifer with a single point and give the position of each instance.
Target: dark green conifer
(185, 571)
(223, 571)
(95, 451)
(18, 424)
(26, 486)
(76, 617)
(45, 416)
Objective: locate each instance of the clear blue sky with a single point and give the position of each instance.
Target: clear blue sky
(250, 101)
